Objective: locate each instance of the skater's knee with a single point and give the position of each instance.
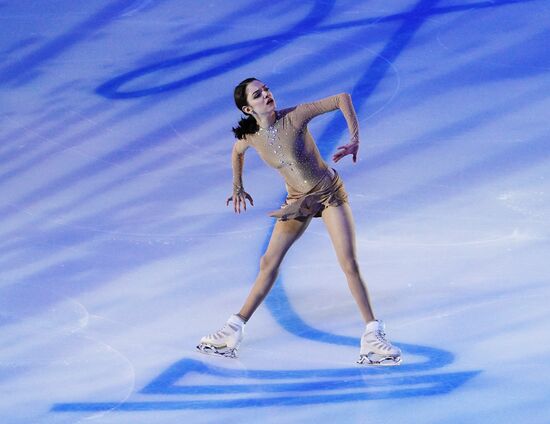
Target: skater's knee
(350, 266)
(269, 263)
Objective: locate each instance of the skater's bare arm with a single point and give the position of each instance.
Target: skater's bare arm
(237, 160)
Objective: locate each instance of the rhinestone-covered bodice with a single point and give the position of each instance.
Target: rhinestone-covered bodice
(293, 152)
(288, 146)
(274, 144)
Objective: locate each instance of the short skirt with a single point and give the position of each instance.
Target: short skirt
(329, 191)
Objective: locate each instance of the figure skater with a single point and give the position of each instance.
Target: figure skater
(283, 141)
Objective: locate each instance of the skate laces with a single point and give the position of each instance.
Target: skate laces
(226, 330)
(381, 337)
(377, 336)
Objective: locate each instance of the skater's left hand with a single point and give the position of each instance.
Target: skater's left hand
(347, 149)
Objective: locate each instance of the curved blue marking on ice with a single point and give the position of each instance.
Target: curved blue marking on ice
(254, 50)
(314, 386)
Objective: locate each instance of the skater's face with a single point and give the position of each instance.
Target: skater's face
(260, 99)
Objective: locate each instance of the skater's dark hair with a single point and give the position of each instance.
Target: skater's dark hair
(247, 125)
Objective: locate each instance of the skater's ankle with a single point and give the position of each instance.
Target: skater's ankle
(242, 317)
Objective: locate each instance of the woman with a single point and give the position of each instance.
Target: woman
(282, 140)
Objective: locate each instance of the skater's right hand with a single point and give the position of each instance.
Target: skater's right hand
(237, 198)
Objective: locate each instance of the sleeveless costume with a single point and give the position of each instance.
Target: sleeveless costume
(288, 146)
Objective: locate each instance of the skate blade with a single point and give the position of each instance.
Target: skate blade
(379, 360)
(217, 351)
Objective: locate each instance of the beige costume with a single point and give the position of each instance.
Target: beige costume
(288, 146)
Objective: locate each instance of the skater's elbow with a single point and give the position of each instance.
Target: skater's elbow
(345, 96)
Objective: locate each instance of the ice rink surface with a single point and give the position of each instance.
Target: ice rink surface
(118, 252)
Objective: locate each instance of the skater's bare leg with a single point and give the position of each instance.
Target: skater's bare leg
(284, 234)
(341, 228)
(226, 341)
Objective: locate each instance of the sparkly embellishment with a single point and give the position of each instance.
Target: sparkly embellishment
(288, 146)
(272, 137)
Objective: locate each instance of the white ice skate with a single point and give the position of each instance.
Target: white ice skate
(226, 341)
(375, 349)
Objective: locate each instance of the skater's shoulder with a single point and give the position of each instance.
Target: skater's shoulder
(242, 144)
